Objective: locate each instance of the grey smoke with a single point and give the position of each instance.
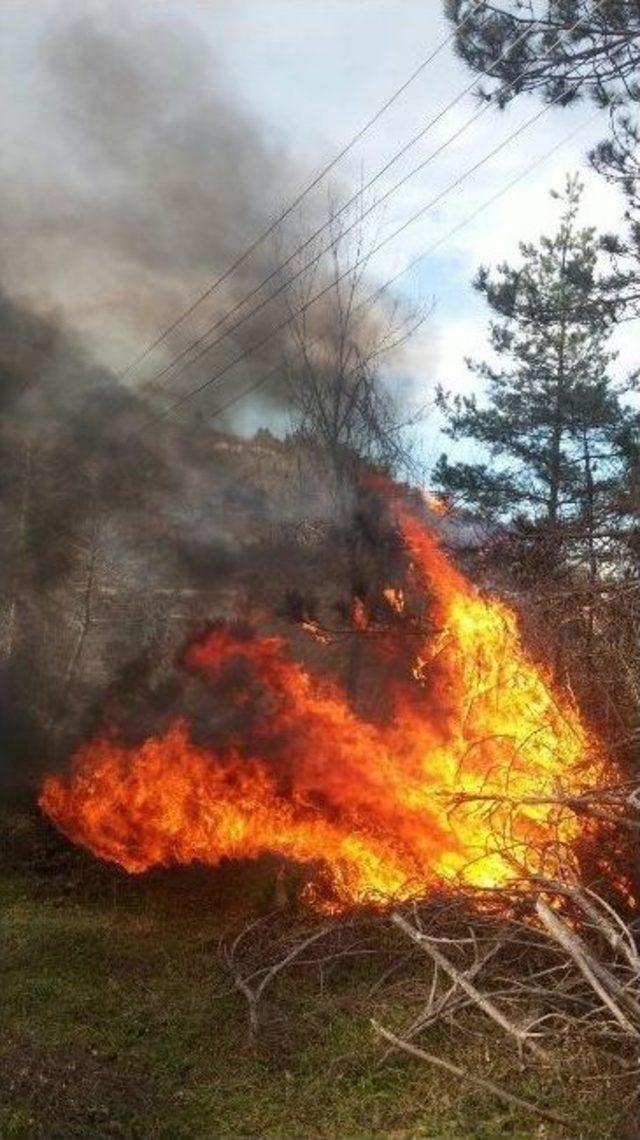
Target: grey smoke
(134, 178)
(131, 176)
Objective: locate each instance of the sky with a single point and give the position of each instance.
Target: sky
(346, 57)
(307, 75)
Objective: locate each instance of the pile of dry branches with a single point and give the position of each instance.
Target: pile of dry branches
(552, 965)
(558, 964)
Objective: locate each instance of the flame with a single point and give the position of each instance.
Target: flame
(379, 813)
(394, 599)
(318, 634)
(435, 504)
(358, 614)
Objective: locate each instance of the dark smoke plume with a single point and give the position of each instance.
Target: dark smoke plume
(134, 180)
(131, 177)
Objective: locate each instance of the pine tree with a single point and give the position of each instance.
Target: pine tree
(563, 49)
(567, 50)
(552, 422)
(618, 160)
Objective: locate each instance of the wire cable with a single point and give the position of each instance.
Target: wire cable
(373, 297)
(322, 173)
(155, 379)
(207, 347)
(273, 372)
(366, 257)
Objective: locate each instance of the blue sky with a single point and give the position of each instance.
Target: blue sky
(316, 72)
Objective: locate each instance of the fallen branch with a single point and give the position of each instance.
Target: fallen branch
(587, 804)
(591, 970)
(462, 980)
(464, 1075)
(266, 975)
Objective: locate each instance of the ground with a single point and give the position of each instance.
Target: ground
(119, 1020)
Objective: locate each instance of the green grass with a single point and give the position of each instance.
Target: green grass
(118, 1020)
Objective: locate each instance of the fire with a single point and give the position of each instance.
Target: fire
(436, 505)
(358, 614)
(316, 632)
(378, 812)
(394, 599)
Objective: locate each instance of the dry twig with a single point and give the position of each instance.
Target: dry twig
(465, 1075)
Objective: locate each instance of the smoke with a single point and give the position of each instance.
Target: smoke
(130, 176)
(69, 489)
(114, 541)
(133, 177)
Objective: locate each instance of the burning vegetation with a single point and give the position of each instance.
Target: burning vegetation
(448, 782)
(380, 811)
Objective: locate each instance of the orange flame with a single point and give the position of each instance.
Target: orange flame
(316, 631)
(358, 614)
(375, 809)
(394, 599)
(435, 504)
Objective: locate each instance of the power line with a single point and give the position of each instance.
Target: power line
(273, 372)
(412, 142)
(153, 381)
(367, 257)
(484, 205)
(207, 347)
(277, 369)
(297, 200)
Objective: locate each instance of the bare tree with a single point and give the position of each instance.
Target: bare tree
(342, 363)
(343, 403)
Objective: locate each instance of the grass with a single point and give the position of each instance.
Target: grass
(119, 1021)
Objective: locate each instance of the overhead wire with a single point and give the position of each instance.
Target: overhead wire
(229, 330)
(185, 397)
(371, 298)
(358, 195)
(293, 205)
